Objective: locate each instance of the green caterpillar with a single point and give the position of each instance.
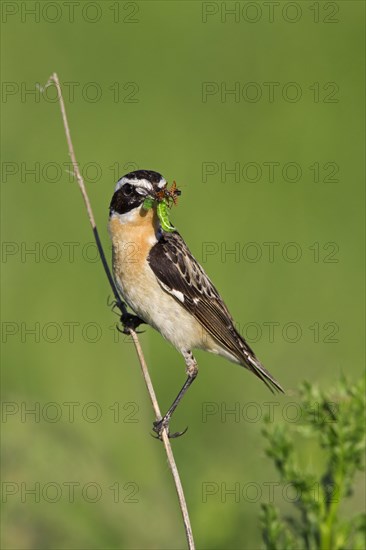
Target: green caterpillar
(162, 210)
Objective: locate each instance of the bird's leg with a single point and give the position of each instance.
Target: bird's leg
(192, 372)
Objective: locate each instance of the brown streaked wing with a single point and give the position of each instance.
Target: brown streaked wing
(178, 271)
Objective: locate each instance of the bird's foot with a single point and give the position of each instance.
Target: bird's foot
(113, 304)
(130, 322)
(160, 425)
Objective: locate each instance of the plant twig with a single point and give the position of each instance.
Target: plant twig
(168, 449)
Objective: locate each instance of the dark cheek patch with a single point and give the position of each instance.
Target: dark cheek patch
(122, 204)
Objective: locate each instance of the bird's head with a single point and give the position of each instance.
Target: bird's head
(137, 192)
(134, 188)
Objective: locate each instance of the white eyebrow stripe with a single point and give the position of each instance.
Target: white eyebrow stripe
(145, 184)
(162, 182)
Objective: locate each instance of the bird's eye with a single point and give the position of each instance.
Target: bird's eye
(127, 189)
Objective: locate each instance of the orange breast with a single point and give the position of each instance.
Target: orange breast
(132, 239)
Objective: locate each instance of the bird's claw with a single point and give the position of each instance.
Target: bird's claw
(113, 304)
(110, 301)
(126, 330)
(160, 425)
(130, 322)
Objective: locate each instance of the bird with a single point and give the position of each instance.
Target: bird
(166, 287)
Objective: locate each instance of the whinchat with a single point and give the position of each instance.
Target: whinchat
(166, 287)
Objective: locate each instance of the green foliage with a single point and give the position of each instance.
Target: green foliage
(335, 419)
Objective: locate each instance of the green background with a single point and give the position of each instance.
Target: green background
(168, 51)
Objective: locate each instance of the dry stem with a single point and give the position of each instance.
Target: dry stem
(145, 372)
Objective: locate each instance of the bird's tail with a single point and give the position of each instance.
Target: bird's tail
(249, 360)
(256, 367)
